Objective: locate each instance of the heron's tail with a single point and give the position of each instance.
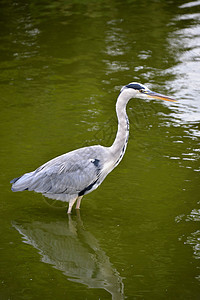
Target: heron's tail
(21, 183)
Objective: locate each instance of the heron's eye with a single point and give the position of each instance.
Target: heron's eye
(143, 91)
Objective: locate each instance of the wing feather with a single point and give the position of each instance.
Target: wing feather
(69, 173)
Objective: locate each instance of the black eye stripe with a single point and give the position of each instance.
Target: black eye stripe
(135, 86)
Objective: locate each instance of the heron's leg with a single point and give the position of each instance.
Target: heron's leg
(71, 203)
(78, 203)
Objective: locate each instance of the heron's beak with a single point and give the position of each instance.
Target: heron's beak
(159, 96)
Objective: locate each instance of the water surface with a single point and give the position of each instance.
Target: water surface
(62, 66)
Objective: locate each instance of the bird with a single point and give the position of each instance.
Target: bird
(70, 176)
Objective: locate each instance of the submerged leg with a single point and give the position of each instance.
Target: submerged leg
(71, 203)
(78, 203)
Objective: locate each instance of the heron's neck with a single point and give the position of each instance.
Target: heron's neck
(119, 146)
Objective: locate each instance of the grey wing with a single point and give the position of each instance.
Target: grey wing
(59, 179)
(70, 173)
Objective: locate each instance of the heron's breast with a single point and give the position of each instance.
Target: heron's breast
(108, 167)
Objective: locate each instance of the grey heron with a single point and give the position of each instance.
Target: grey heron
(72, 175)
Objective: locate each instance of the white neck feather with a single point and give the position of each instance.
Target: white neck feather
(119, 146)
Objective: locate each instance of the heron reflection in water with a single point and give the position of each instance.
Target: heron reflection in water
(70, 248)
(72, 175)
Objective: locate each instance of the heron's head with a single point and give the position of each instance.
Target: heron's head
(138, 90)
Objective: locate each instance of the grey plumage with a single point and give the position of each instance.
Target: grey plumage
(66, 176)
(70, 176)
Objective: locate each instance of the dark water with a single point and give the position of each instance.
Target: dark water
(62, 66)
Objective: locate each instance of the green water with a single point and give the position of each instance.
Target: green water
(62, 66)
